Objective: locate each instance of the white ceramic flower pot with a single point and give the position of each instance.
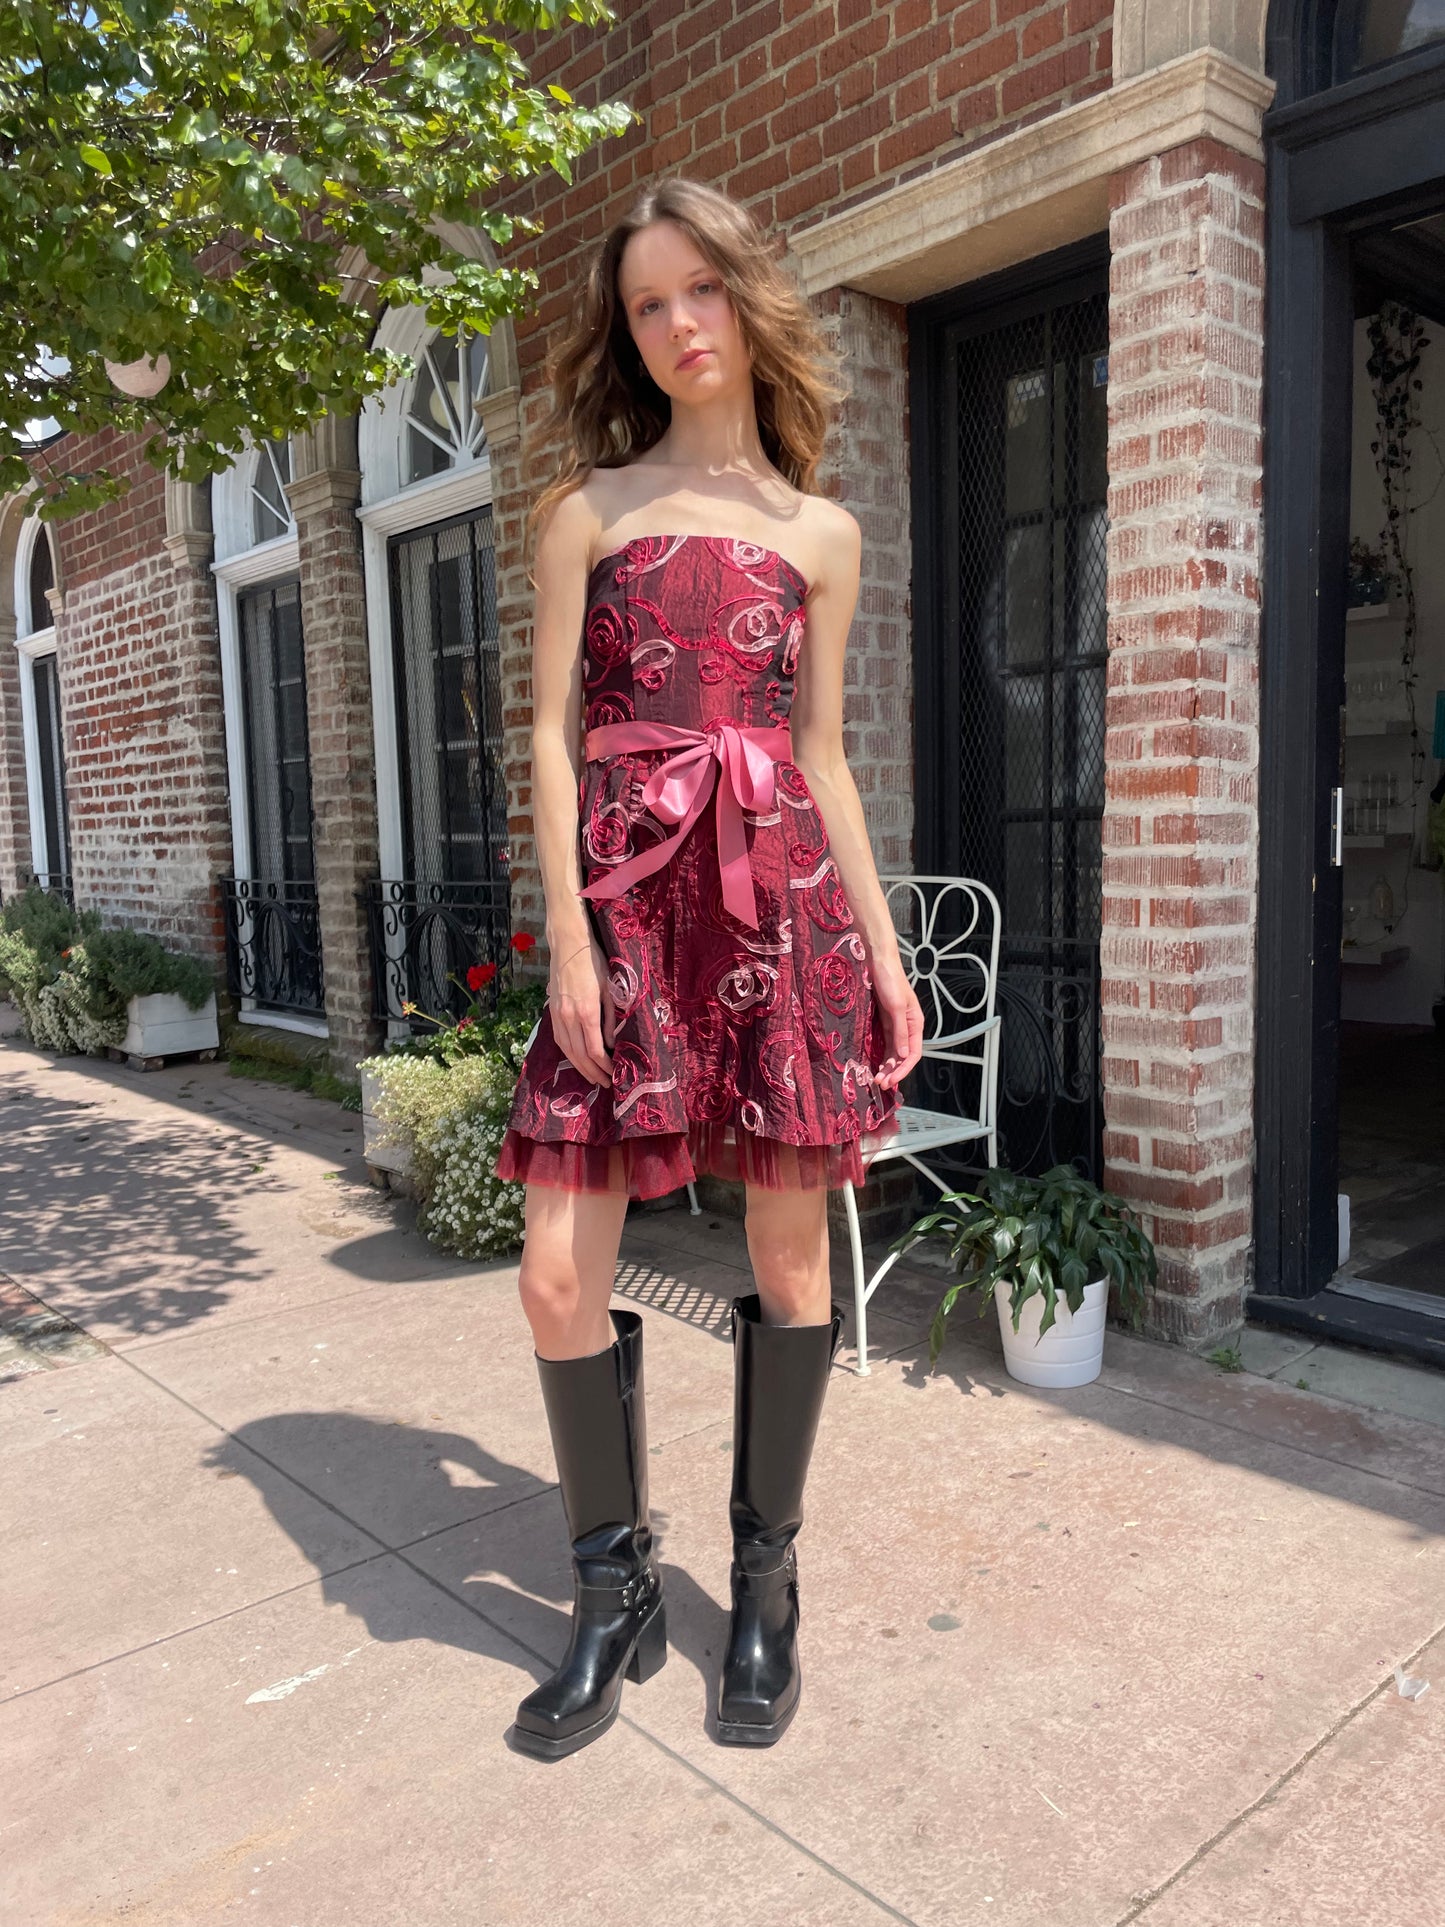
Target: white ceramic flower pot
(1070, 1352)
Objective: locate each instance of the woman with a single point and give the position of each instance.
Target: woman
(725, 990)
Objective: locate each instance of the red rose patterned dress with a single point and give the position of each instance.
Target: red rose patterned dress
(747, 1034)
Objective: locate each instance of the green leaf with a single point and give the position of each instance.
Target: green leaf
(94, 159)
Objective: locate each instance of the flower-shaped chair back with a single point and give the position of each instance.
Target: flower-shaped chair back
(948, 941)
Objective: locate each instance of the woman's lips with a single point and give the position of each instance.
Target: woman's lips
(697, 354)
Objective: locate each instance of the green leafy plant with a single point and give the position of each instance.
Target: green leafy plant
(1227, 1357)
(445, 1096)
(1051, 1235)
(500, 1009)
(135, 965)
(240, 188)
(71, 979)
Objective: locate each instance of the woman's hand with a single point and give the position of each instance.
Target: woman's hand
(584, 1017)
(902, 1020)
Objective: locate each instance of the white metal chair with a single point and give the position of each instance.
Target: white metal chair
(956, 977)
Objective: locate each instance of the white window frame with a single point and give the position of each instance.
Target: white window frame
(31, 645)
(243, 563)
(388, 508)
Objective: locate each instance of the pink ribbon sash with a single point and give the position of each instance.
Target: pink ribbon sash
(677, 792)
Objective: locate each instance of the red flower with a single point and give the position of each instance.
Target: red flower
(523, 942)
(463, 1023)
(480, 974)
(65, 953)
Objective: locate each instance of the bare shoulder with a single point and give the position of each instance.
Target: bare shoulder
(836, 543)
(567, 534)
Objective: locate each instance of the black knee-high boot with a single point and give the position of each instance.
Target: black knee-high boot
(598, 1422)
(780, 1374)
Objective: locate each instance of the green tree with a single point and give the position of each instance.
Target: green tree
(188, 181)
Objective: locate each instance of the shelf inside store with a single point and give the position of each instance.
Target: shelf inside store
(1379, 726)
(1375, 959)
(1386, 840)
(1393, 611)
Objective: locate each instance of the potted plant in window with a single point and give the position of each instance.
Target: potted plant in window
(1045, 1250)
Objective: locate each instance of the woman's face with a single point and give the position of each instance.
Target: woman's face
(680, 316)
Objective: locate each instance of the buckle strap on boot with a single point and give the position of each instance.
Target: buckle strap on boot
(620, 1598)
(758, 1585)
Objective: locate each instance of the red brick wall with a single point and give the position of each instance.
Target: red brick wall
(1180, 829)
(797, 107)
(121, 533)
(140, 686)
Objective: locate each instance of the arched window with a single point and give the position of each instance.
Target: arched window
(443, 428)
(40, 707)
(273, 940)
(270, 509)
(38, 613)
(1371, 32)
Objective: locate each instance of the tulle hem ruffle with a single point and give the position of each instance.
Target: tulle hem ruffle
(651, 1166)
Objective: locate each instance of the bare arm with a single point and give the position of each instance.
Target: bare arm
(583, 1015)
(817, 729)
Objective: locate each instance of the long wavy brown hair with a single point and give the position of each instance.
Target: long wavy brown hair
(607, 409)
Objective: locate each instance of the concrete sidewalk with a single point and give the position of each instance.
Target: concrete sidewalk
(283, 1550)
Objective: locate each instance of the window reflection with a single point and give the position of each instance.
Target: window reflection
(1368, 32)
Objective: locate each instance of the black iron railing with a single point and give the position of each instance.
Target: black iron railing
(273, 945)
(1050, 1101)
(59, 883)
(426, 936)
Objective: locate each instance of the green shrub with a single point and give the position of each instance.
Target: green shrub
(134, 965)
(446, 1097)
(71, 980)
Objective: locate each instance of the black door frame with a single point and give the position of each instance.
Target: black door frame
(1069, 274)
(1336, 162)
(1058, 279)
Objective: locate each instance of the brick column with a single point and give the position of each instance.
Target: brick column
(866, 469)
(338, 712)
(1180, 823)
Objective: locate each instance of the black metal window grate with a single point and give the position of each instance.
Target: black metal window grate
(452, 908)
(1018, 792)
(273, 933)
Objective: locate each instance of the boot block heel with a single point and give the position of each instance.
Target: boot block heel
(650, 1653)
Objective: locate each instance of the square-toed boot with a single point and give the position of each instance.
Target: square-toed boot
(780, 1374)
(597, 1416)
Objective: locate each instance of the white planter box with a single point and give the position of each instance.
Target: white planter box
(394, 1159)
(1071, 1351)
(166, 1026)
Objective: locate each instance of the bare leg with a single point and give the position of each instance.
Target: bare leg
(569, 1264)
(788, 1246)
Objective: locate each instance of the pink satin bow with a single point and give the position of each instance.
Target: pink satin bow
(677, 792)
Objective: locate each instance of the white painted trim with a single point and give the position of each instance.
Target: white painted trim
(417, 507)
(280, 558)
(42, 643)
(271, 561)
(31, 530)
(381, 430)
(233, 514)
(279, 1020)
(1036, 188)
(431, 501)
